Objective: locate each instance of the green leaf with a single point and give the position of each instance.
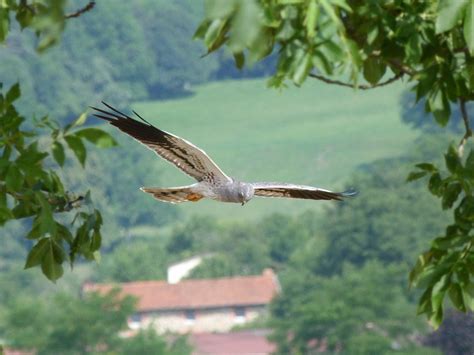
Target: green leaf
(415, 175)
(97, 256)
(439, 289)
(332, 51)
(469, 166)
(451, 195)
(427, 167)
(5, 214)
(437, 317)
(239, 59)
(374, 70)
(45, 218)
(50, 267)
(13, 94)
(64, 233)
(463, 275)
(213, 32)
(439, 106)
(201, 30)
(219, 9)
(332, 13)
(286, 31)
(417, 270)
(353, 52)
(372, 35)
(413, 48)
(247, 25)
(58, 252)
(435, 184)
(311, 19)
(322, 63)
(455, 293)
(98, 137)
(302, 70)
(469, 27)
(37, 253)
(96, 241)
(453, 162)
(449, 13)
(58, 153)
(469, 296)
(14, 179)
(77, 122)
(76, 145)
(24, 16)
(4, 23)
(424, 305)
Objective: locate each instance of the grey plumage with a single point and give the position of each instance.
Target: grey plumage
(212, 182)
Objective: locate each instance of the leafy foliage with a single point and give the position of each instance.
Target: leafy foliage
(147, 342)
(134, 260)
(414, 114)
(447, 267)
(46, 18)
(31, 189)
(70, 325)
(313, 308)
(164, 63)
(431, 42)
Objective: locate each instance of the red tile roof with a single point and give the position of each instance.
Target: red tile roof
(244, 342)
(207, 293)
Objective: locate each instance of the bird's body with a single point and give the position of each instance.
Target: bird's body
(212, 183)
(233, 191)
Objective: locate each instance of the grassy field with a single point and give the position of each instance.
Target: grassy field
(316, 135)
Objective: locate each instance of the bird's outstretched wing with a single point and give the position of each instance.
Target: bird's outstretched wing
(275, 189)
(185, 155)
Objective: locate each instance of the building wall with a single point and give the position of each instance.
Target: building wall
(180, 270)
(205, 320)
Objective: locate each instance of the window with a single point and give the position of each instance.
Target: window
(135, 320)
(239, 314)
(190, 316)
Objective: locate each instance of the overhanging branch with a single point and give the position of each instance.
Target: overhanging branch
(361, 87)
(79, 12)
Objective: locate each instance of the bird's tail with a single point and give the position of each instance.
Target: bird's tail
(174, 194)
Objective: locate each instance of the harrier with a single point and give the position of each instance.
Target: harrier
(212, 182)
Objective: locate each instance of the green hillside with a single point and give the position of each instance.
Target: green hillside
(316, 135)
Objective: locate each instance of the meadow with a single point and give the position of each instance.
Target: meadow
(316, 135)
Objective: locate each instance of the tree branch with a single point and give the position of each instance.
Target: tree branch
(79, 12)
(467, 126)
(361, 87)
(401, 67)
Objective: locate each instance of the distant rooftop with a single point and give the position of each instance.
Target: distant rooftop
(195, 294)
(248, 342)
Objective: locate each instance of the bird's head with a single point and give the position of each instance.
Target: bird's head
(245, 192)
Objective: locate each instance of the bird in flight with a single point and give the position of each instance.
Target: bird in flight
(212, 182)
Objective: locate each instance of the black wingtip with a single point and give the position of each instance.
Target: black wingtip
(115, 110)
(140, 117)
(350, 193)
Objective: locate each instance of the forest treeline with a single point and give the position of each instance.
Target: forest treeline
(120, 58)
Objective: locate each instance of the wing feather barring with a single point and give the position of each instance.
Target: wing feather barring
(212, 182)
